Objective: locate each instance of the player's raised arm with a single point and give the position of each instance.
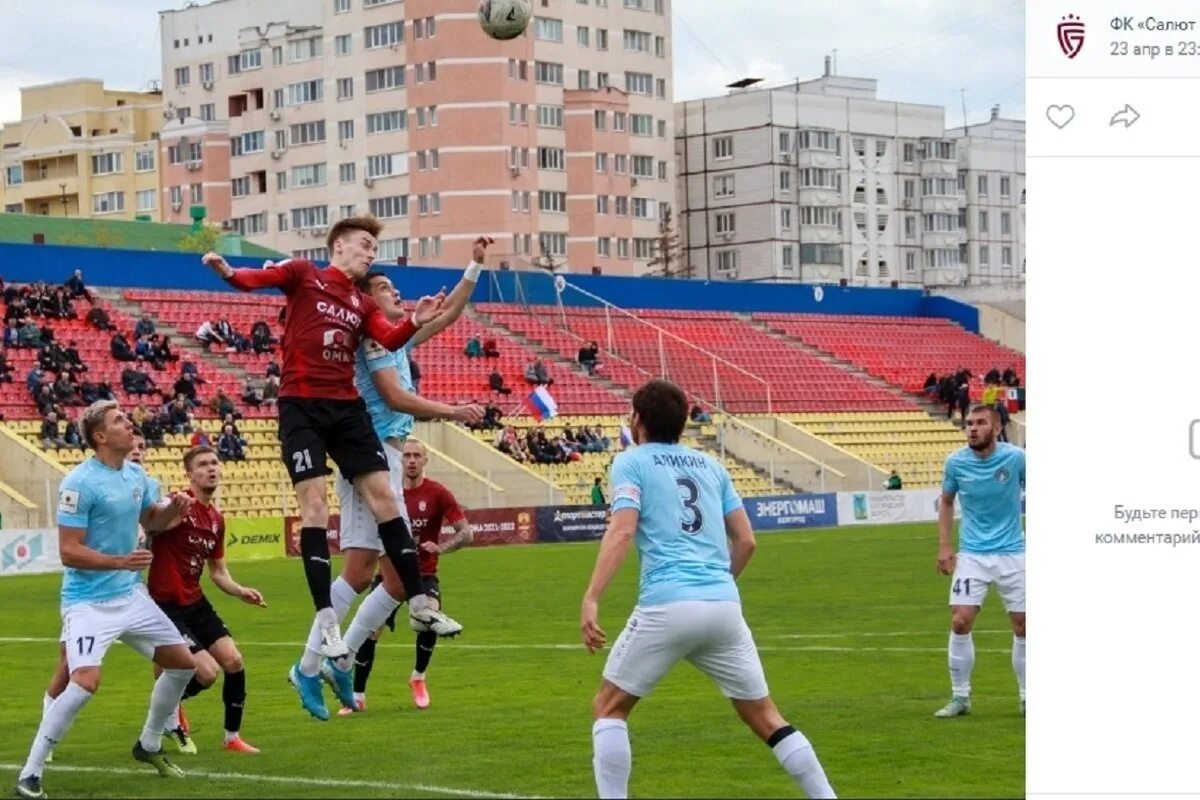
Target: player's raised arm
(275, 277)
(458, 298)
(393, 337)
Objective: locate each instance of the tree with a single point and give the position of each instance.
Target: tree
(202, 240)
(669, 260)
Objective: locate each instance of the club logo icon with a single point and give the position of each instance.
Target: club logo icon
(1070, 35)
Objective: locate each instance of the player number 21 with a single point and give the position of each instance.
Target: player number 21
(91, 642)
(689, 494)
(303, 460)
(962, 586)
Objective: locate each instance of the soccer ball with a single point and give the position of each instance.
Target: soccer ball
(504, 19)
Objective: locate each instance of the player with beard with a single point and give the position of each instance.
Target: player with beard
(181, 549)
(987, 477)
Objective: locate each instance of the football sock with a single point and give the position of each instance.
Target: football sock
(364, 659)
(612, 759)
(233, 693)
(168, 691)
(193, 688)
(1018, 659)
(797, 756)
(402, 552)
(314, 550)
(370, 616)
(172, 722)
(425, 643)
(56, 721)
(342, 596)
(962, 660)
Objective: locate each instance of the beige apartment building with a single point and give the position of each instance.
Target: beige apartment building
(287, 116)
(80, 150)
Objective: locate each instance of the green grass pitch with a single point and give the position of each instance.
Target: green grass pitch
(852, 625)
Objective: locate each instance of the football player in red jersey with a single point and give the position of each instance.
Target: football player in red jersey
(321, 414)
(191, 540)
(430, 505)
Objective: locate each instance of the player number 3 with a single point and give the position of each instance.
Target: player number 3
(689, 494)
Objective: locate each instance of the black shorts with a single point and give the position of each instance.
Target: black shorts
(311, 429)
(428, 582)
(199, 624)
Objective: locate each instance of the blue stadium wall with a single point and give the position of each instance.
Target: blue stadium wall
(154, 270)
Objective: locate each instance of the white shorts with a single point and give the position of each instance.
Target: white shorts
(89, 629)
(712, 635)
(975, 572)
(360, 529)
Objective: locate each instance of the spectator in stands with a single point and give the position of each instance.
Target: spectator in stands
(270, 390)
(48, 359)
(165, 352)
(474, 348)
(46, 333)
(199, 437)
(51, 432)
(598, 493)
(66, 392)
(142, 348)
(6, 367)
(893, 482)
(96, 391)
(179, 416)
(139, 414)
(511, 445)
(71, 435)
(698, 414)
(948, 394)
(135, 380)
(223, 405)
(185, 387)
(190, 369)
(207, 335)
(272, 369)
(43, 397)
(931, 385)
(98, 319)
(231, 421)
(491, 419)
(603, 441)
(16, 311)
(153, 431)
(261, 339)
(119, 347)
(250, 394)
(964, 399)
(589, 357)
(12, 336)
(496, 381)
(536, 373)
(993, 377)
(232, 338)
(71, 354)
(231, 447)
(570, 438)
(1001, 406)
(489, 348)
(145, 327)
(29, 335)
(1010, 377)
(33, 379)
(76, 286)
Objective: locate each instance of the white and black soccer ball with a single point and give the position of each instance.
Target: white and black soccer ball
(504, 19)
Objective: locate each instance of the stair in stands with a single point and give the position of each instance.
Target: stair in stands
(711, 443)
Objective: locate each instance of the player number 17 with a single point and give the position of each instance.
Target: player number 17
(91, 642)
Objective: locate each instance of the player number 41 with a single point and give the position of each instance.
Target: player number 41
(962, 586)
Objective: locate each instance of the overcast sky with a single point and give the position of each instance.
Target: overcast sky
(922, 51)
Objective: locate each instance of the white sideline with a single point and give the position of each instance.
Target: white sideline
(292, 780)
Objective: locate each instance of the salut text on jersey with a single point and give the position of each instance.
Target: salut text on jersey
(338, 344)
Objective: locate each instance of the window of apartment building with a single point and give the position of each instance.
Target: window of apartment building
(984, 255)
(619, 120)
(622, 248)
(310, 217)
(387, 121)
(373, 3)
(182, 76)
(551, 158)
(620, 163)
(143, 161)
(601, 204)
(553, 202)
(430, 204)
(240, 187)
(345, 130)
(546, 29)
(662, 169)
(345, 88)
(639, 83)
(308, 175)
(548, 72)
(585, 79)
(304, 49)
(208, 112)
(622, 204)
(828, 216)
(389, 207)
(281, 181)
(604, 246)
(644, 248)
(660, 88)
(785, 181)
(307, 133)
(106, 163)
(727, 261)
(108, 202)
(908, 152)
(1005, 223)
(342, 45)
(386, 35)
(599, 119)
(1006, 256)
(726, 222)
(197, 193)
(601, 39)
(722, 148)
(386, 164)
(785, 219)
(983, 185)
(1005, 186)
(641, 124)
(147, 200)
(206, 72)
(550, 116)
(723, 186)
(175, 196)
(660, 47)
(393, 249)
(249, 142)
(341, 6)
(643, 208)
(910, 227)
(601, 162)
(601, 80)
(983, 222)
(582, 36)
(308, 92)
(518, 113)
(637, 41)
(788, 257)
(379, 80)
(346, 173)
(643, 166)
(276, 56)
(554, 244)
(518, 70)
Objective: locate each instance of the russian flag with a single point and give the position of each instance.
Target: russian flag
(540, 404)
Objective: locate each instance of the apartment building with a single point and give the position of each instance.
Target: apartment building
(81, 150)
(820, 181)
(991, 186)
(285, 117)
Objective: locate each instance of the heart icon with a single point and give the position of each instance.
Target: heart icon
(1060, 116)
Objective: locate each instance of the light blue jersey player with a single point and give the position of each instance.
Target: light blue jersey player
(693, 537)
(987, 477)
(384, 381)
(100, 504)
